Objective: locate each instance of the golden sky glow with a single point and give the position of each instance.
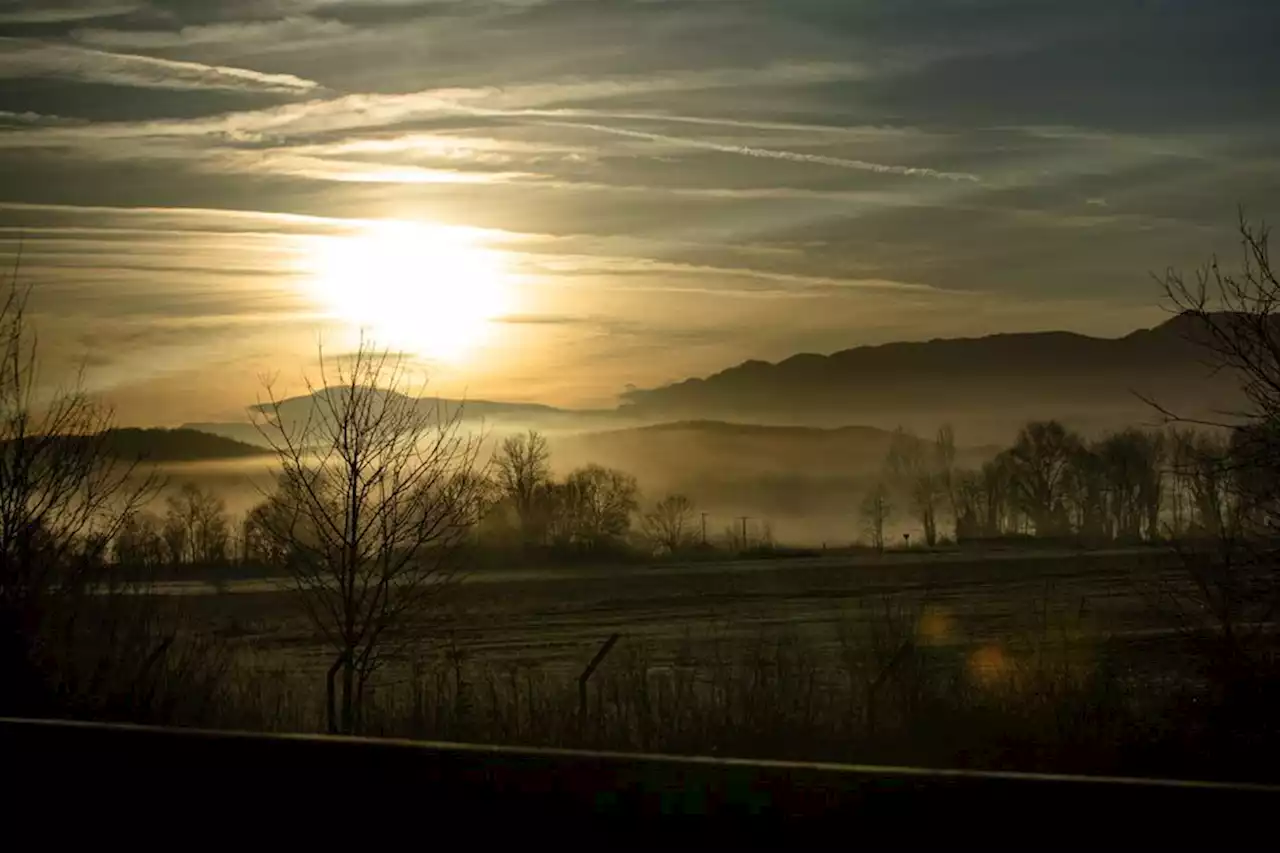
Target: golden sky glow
(428, 291)
(550, 200)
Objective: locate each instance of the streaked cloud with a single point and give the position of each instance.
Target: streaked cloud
(773, 154)
(27, 58)
(676, 185)
(59, 11)
(236, 33)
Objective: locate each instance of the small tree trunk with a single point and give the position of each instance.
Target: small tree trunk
(348, 694)
(331, 710)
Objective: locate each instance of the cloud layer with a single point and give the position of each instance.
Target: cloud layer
(676, 185)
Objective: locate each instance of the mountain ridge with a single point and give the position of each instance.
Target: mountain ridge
(985, 385)
(163, 444)
(988, 381)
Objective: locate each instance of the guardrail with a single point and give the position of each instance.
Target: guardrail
(487, 789)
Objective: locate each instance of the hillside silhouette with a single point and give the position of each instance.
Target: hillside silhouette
(986, 383)
(985, 386)
(167, 445)
(710, 449)
(805, 480)
(300, 407)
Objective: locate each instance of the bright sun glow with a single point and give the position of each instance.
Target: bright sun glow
(426, 290)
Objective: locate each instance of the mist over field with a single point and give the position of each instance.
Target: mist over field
(804, 482)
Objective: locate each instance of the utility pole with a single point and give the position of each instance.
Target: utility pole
(744, 519)
(704, 528)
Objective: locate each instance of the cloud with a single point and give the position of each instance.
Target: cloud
(34, 119)
(277, 138)
(165, 221)
(53, 12)
(187, 218)
(372, 110)
(288, 127)
(473, 148)
(774, 154)
(237, 33)
(794, 284)
(288, 163)
(23, 58)
(855, 132)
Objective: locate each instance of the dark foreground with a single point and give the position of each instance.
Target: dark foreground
(395, 786)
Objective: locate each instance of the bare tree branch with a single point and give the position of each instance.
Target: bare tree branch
(377, 494)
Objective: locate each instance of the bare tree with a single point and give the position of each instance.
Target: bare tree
(598, 503)
(669, 524)
(1130, 465)
(138, 543)
(376, 497)
(522, 469)
(1085, 488)
(971, 511)
(173, 535)
(1201, 486)
(876, 511)
(916, 471)
(1041, 461)
(196, 526)
(1234, 318)
(945, 461)
(63, 497)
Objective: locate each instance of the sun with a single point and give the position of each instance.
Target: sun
(425, 290)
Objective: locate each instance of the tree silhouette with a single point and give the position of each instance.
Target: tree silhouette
(196, 526)
(917, 472)
(62, 502)
(1234, 318)
(596, 504)
(1131, 466)
(669, 523)
(1041, 466)
(139, 544)
(945, 461)
(999, 495)
(522, 470)
(876, 511)
(376, 496)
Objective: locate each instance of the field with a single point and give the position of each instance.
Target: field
(1040, 660)
(555, 619)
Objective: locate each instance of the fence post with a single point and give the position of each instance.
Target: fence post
(586, 675)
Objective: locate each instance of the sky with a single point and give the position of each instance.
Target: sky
(554, 200)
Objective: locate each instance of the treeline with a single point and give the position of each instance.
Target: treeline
(1052, 483)
(195, 529)
(525, 514)
(1130, 486)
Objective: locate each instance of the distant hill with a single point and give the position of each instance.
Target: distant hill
(805, 481)
(989, 384)
(985, 387)
(498, 415)
(241, 432)
(471, 410)
(173, 445)
(687, 455)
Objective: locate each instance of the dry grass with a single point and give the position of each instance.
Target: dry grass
(895, 693)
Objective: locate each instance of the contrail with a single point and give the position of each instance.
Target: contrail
(742, 150)
(773, 153)
(569, 114)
